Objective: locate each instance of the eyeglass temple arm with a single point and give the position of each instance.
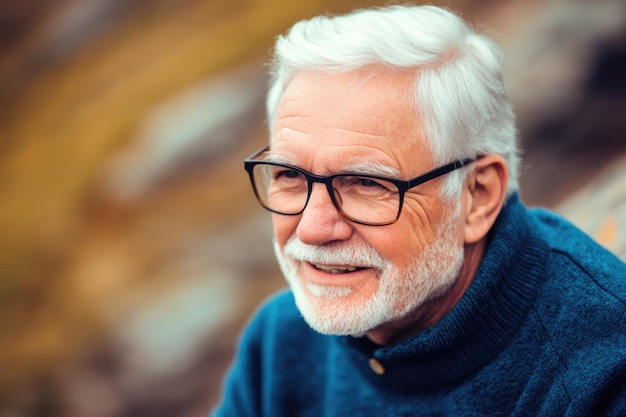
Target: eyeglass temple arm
(438, 172)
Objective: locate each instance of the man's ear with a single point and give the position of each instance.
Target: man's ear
(484, 196)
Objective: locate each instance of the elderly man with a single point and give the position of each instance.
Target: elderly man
(420, 284)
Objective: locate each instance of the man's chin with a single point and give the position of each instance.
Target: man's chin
(333, 311)
(325, 292)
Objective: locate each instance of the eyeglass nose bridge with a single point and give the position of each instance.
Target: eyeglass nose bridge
(335, 198)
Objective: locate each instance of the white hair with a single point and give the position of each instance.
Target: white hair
(459, 93)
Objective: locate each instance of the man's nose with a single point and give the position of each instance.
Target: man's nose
(320, 222)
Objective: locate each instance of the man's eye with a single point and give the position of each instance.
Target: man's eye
(368, 183)
(364, 185)
(287, 174)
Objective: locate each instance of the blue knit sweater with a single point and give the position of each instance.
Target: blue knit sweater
(540, 332)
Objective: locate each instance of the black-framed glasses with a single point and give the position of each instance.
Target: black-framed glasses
(362, 198)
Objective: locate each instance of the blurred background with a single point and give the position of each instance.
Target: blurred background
(132, 251)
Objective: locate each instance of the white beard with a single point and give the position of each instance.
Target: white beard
(401, 291)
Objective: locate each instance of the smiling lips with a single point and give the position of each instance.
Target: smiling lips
(337, 269)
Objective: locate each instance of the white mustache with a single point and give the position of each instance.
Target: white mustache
(359, 255)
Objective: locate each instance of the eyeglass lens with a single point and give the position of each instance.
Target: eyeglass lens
(361, 198)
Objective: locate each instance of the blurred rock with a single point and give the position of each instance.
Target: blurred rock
(196, 127)
(566, 80)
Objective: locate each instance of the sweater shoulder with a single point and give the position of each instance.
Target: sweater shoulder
(279, 306)
(265, 349)
(577, 255)
(582, 308)
(277, 322)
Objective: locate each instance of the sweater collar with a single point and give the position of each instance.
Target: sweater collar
(485, 319)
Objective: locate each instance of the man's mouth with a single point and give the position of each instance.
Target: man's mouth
(337, 269)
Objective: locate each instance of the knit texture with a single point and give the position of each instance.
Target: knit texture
(540, 332)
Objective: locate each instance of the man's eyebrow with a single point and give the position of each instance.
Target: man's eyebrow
(364, 168)
(372, 168)
(276, 158)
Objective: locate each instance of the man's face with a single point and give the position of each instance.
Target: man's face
(349, 278)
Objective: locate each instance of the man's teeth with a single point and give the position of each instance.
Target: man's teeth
(336, 269)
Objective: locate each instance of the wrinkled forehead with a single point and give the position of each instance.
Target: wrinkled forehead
(397, 85)
(354, 117)
(381, 97)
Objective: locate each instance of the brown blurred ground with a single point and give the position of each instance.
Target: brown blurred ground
(131, 249)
